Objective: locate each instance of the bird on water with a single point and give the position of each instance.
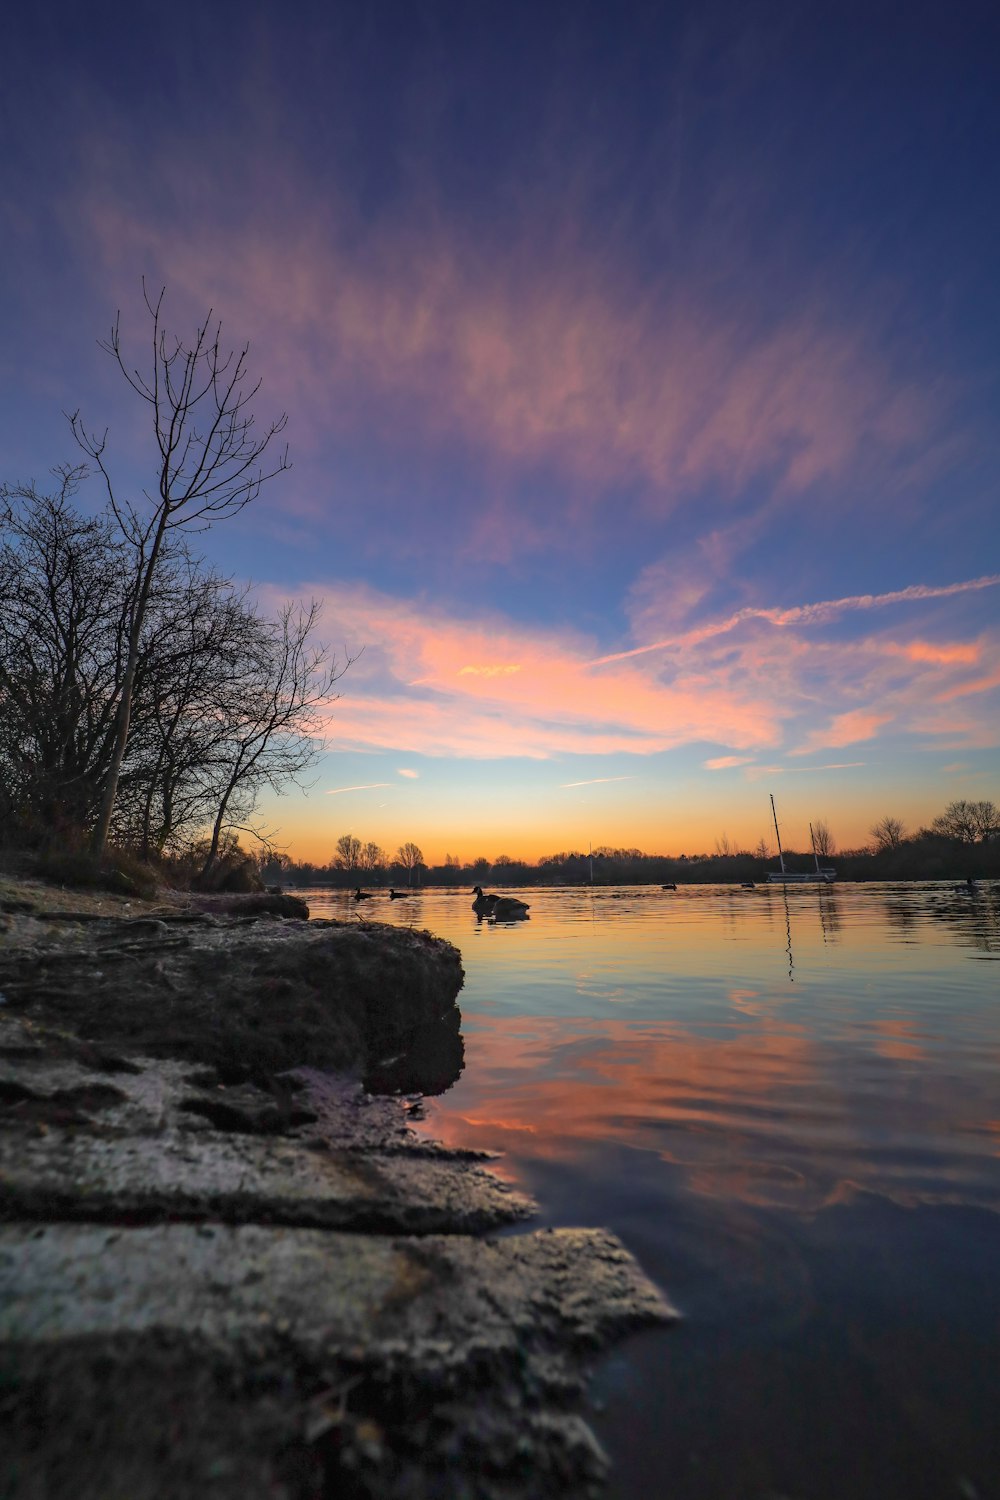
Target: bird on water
(503, 907)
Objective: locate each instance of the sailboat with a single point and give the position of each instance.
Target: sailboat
(824, 874)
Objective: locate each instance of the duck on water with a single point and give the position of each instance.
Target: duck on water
(502, 907)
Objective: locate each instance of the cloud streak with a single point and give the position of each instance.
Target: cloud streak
(532, 356)
(814, 614)
(370, 786)
(594, 781)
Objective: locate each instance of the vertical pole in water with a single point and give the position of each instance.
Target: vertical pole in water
(777, 835)
(591, 848)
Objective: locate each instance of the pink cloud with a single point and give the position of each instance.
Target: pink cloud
(964, 689)
(845, 729)
(408, 691)
(747, 689)
(943, 654)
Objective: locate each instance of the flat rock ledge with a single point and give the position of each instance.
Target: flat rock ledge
(227, 1272)
(247, 995)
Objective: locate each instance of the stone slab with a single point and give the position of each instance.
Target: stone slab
(65, 1174)
(279, 1364)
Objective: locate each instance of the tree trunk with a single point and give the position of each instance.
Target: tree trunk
(123, 717)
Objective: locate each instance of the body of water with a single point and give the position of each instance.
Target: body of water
(786, 1102)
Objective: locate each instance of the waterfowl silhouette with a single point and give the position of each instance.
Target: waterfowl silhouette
(400, 895)
(505, 908)
(360, 895)
(483, 904)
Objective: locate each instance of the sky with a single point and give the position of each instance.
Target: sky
(641, 370)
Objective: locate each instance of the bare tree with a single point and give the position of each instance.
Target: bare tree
(224, 701)
(888, 833)
(282, 682)
(62, 629)
(724, 847)
(823, 840)
(348, 856)
(762, 849)
(373, 860)
(410, 857)
(209, 461)
(971, 822)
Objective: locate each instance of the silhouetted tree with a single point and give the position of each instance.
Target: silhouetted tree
(223, 700)
(823, 840)
(282, 684)
(62, 626)
(971, 822)
(410, 857)
(348, 856)
(208, 459)
(887, 833)
(373, 860)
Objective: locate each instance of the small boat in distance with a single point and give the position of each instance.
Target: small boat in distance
(823, 874)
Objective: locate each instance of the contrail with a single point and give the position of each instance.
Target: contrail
(805, 614)
(369, 786)
(594, 782)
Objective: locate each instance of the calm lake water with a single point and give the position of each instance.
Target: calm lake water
(787, 1104)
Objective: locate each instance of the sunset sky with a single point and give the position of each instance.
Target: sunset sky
(641, 365)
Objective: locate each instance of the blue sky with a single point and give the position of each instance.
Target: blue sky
(641, 373)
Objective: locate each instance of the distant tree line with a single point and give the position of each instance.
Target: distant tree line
(964, 841)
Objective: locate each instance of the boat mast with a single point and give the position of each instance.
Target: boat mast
(812, 840)
(777, 835)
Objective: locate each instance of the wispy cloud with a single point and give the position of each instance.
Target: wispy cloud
(530, 355)
(757, 773)
(837, 765)
(811, 614)
(405, 771)
(370, 786)
(726, 762)
(595, 781)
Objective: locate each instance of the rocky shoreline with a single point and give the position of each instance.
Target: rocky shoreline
(227, 1269)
